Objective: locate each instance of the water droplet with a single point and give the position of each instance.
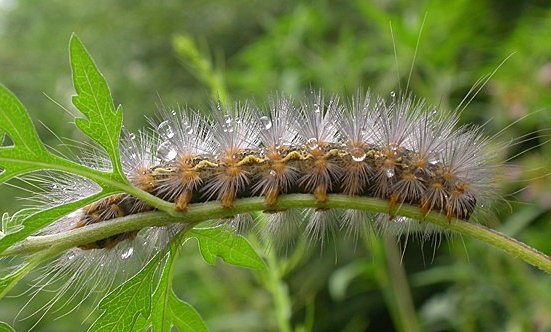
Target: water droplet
(312, 143)
(400, 220)
(389, 172)
(166, 151)
(165, 129)
(132, 136)
(358, 154)
(127, 253)
(227, 127)
(317, 108)
(189, 130)
(273, 173)
(71, 256)
(393, 94)
(266, 122)
(434, 159)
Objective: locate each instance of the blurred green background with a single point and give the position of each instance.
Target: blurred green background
(176, 52)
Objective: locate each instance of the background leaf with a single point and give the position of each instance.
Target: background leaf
(168, 310)
(184, 316)
(103, 123)
(122, 306)
(229, 246)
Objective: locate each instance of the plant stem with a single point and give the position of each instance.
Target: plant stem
(212, 210)
(280, 293)
(399, 286)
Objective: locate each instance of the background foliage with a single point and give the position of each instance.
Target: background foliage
(171, 52)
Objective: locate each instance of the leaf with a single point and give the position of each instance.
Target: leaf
(27, 152)
(123, 305)
(4, 327)
(103, 122)
(41, 219)
(184, 316)
(15, 121)
(160, 315)
(231, 248)
(170, 311)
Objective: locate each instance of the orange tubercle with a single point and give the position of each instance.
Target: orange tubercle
(183, 200)
(321, 193)
(271, 196)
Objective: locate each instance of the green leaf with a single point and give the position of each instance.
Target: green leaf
(27, 152)
(160, 315)
(230, 247)
(170, 311)
(39, 220)
(184, 316)
(4, 327)
(103, 122)
(15, 121)
(123, 305)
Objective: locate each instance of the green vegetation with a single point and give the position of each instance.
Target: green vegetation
(155, 54)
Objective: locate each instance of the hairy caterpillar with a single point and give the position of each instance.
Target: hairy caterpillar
(403, 151)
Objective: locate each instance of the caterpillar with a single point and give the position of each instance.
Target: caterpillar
(403, 151)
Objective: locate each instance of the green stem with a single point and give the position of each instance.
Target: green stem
(212, 210)
(280, 293)
(399, 286)
(110, 180)
(272, 280)
(106, 180)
